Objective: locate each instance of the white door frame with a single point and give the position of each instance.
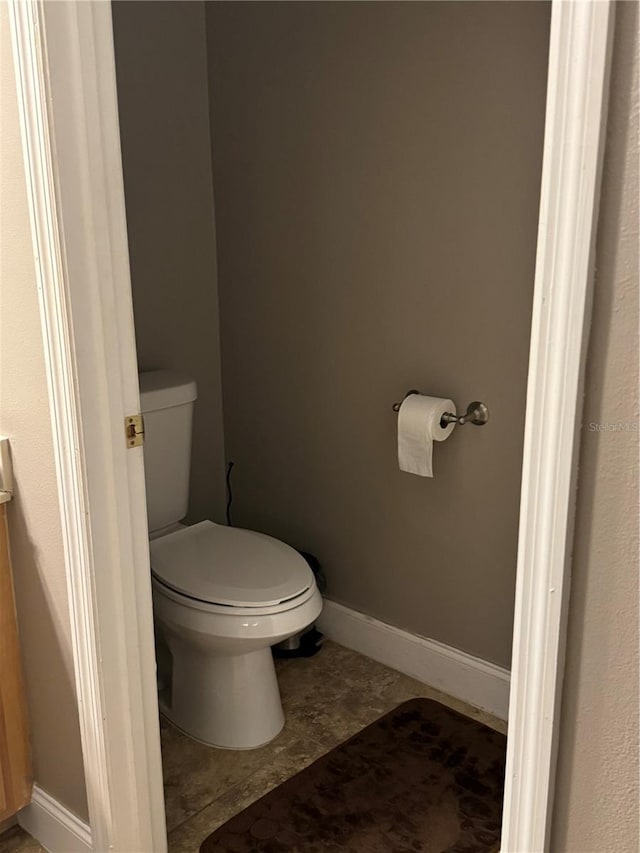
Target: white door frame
(67, 93)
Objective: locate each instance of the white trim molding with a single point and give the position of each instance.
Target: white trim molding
(579, 62)
(65, 71)
(476, 682)
(57, 828)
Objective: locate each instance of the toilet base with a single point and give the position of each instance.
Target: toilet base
(227, 701)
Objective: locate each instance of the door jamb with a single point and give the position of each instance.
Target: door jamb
(65, 72)
(68, 103)
(576, 111)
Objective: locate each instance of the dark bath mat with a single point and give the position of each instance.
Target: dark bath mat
(422, 779)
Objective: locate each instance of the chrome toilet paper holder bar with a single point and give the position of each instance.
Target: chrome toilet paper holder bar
(477, 413)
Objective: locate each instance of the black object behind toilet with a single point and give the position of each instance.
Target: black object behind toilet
(309, 642)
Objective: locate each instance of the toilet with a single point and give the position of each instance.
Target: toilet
(222, 596)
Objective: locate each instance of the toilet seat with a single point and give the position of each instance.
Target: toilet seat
(230, 611)
(230, 569)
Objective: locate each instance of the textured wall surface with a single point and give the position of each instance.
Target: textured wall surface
(33, 516)
(161, 65)
(377, 173)
(597, 796)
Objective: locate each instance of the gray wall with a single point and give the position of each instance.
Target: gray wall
(377, 171)
(164, 120)
(596, 806)
(33, 517)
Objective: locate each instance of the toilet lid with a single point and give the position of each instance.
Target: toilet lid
(230, 566)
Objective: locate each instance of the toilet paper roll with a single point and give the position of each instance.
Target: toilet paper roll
(418, 427)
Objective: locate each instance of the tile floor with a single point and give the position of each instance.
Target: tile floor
(16, 840)
(326, 699)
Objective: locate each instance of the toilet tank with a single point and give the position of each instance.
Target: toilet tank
(166, 401)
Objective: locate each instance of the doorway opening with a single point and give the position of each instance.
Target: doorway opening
(327, 205)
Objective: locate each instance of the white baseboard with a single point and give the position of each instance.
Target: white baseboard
(456, 673)
(57, 828)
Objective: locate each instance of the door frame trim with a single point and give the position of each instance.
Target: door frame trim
(65, 72)
(68, 105)
(577, 97)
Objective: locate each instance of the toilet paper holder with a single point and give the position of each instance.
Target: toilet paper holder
(477, 413)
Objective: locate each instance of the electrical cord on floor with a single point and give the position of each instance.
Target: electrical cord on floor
(229, 493)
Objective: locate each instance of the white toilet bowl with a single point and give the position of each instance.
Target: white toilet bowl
(222, 597)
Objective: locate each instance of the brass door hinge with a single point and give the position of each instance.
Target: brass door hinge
(134, 430)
